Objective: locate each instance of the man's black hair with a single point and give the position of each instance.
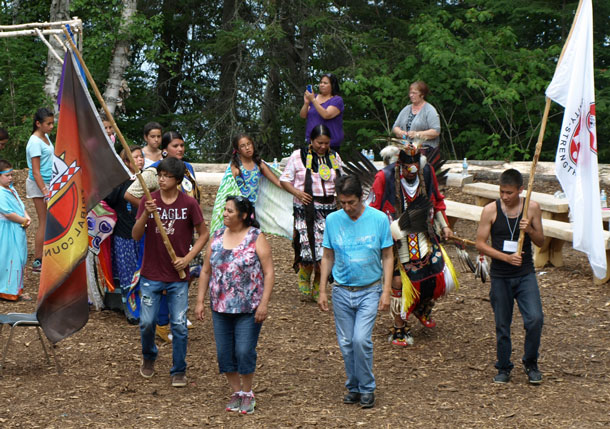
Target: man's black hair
(348, 184)
(172, 166)
(511, 177)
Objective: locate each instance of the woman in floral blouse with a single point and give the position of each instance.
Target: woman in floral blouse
(238, 270)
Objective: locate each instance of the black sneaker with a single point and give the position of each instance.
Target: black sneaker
(502, 377)
(533, 374)
(367, 400)
(351, 398)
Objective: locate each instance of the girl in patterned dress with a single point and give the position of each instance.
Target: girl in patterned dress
(247, 167)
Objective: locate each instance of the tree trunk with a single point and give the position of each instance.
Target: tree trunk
(16, 5)
(224, 105)
(289, 57)
(176, 24)
(120, 58)
(270, 134)
(60, 11)
(296, 58)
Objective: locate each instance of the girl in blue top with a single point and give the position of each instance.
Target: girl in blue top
(247, 167)
(14, 220)
(39, 152)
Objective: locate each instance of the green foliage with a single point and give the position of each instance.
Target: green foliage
(22, 63)
(210, 69)
(101, 20)
(489, 146)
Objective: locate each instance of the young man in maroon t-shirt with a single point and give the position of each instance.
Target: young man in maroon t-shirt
(180, 215)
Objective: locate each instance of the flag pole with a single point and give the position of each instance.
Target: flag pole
(545, 117)
(166, 242)
(530, 183)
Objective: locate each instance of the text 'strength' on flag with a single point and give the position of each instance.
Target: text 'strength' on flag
(576, 159)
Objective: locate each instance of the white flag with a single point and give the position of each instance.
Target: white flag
(576, 160)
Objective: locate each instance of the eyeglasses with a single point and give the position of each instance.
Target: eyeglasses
(164, 177)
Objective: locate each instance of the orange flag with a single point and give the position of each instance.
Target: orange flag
(85, 169)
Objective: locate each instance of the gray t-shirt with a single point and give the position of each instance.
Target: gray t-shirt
(427, 118)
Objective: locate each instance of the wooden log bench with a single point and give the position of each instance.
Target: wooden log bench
(556, 233)
(551, 208)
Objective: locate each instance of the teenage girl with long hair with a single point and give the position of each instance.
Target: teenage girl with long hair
(153, 134)
(247, 167)
(310, 176)
(39, 152)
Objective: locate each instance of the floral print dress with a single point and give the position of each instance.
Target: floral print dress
(236, 281)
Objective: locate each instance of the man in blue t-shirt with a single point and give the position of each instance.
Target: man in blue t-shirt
(356, 241)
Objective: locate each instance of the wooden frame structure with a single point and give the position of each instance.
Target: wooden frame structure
(42, 29)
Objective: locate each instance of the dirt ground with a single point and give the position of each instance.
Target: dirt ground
(443, 381)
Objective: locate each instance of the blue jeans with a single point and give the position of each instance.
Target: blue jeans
(236, 336)
(355, 314)
(163, 314)
(177, 300)
(502, 294)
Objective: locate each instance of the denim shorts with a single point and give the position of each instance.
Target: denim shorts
(236, 336)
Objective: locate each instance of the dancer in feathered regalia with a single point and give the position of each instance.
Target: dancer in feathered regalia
(407, 191)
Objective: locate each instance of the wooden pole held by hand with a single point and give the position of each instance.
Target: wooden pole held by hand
(545, 117)
(530, 182)
(462, 240)
(166, 242)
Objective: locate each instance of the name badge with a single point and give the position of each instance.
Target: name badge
(510, 246)
(187, 185)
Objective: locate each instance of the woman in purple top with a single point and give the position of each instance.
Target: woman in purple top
(238, 270)
(325, 108)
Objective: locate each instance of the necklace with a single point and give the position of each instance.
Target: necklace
(415, 109)
(323, 170)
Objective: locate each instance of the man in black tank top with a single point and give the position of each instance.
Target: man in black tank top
(512, 274)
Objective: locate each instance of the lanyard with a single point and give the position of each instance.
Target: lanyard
(512, 230)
